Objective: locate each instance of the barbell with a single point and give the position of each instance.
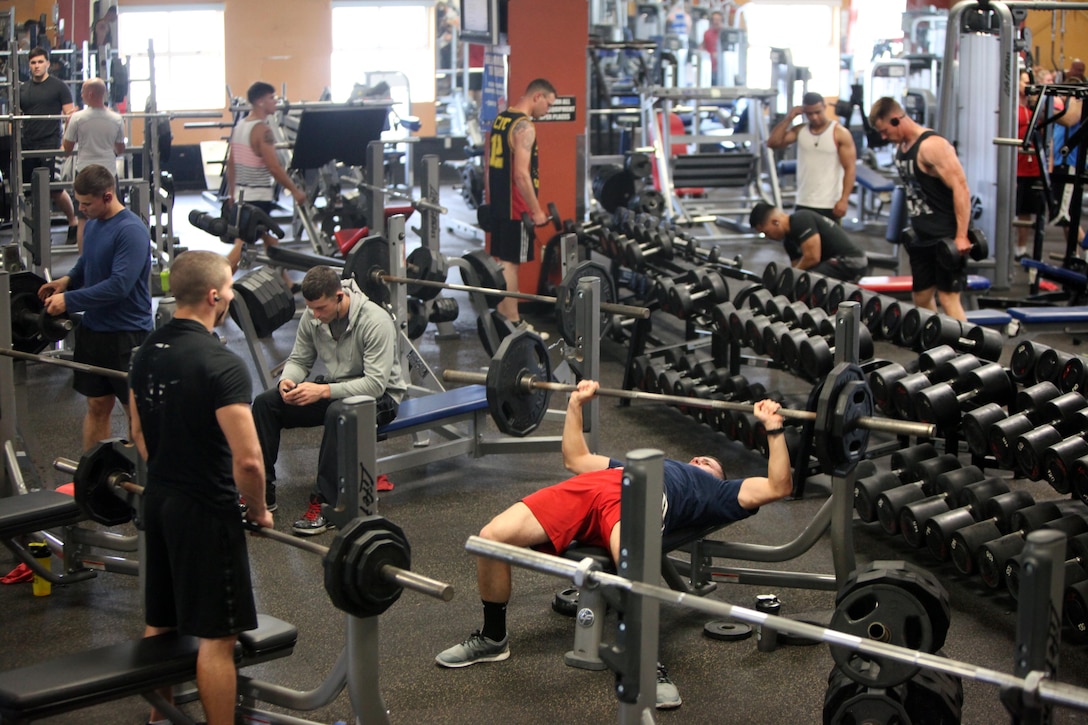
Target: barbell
(518, 387)
(586, 573)
(417, 203)
(61, 362)
(366, 568)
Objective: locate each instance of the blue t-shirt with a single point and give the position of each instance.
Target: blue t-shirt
(1061, 137)
(693, 498)
(109, 283)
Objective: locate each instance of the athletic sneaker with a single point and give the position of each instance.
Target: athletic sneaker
(477, 648)
(524, 325)
(269, 499)
(313, 522)
(668, 697)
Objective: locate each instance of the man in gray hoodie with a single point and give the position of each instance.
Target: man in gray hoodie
(356, 339)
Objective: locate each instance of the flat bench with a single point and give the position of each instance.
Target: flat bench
(871, 181)
(901, 284)
(135, 667)
(1059, 274)
(37, 510)
(989, 317)
(426, 410)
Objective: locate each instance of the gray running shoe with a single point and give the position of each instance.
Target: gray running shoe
(477, 648)
(668, 697)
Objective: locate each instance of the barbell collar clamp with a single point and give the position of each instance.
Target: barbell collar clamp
(528, 383)
(1035, 684)
(610, 307)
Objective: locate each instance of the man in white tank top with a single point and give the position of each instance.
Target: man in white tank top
(826, 157)
(253, 168)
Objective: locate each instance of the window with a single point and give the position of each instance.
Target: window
(371, 37)
(810, 34)
(189, 57)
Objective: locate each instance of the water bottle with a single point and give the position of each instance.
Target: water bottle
(767, 638)
(40, 551)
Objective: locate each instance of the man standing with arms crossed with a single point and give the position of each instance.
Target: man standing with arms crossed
(191, 421)
(96, 135)
(826, 157)
(109, 285)
(44, 95)
(512, 183)
(938, 203)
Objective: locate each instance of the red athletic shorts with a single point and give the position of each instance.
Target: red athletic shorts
(585, 508)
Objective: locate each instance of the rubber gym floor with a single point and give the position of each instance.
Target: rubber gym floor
(441, 504)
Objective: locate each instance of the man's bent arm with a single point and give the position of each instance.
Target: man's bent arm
(576, 454)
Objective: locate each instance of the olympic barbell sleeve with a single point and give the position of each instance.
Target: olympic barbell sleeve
(1035, 683)
(48, 360)
(612, 307)
(888, 425)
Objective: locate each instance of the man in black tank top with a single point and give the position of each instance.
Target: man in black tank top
(938, 203)
(812, 241)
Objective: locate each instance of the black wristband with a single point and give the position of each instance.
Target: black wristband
(775, 431)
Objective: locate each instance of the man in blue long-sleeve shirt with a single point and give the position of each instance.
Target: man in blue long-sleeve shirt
(109, 285)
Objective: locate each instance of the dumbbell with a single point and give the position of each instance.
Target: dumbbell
(727, 421)
(1031, 445)
(685, 299)
(1074, 376)
(1050, 365)
(770, 277)
(982, 342)
(1025, 356)
(910, 329)
(872, 311)
(883, 378)
(804, 284)
(939, 528)
(652, 243)
(640, 368)
(919, 485)
(966, 543)
(818, 357)
(787, 348)
(904, 389)
(977, 423)
(781, 308)
(553, 217)
(891, 319)
(746, 427)
(705, 377)
(950, 490)
(869, 488)
(842, 292)
(1076, 565)
(726, 388)
(755, 300)
(787, 280)
(817, 296)
(993, 555)
(949, 256)
(1004, 434)
(762, 332)
(674, 359)
(1060, 459)
(940, 403)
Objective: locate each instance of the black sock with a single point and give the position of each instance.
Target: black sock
(494, 621)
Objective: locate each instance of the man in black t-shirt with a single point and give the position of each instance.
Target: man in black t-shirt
(812, 241)
(44, 95)
(191, 421)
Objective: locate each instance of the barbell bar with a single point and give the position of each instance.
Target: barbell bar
(585, 573)
(403, 578)
(418, 203)
(528, 382)
(60, 362)
(611, 307)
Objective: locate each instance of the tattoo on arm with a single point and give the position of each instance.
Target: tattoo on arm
(523, 136)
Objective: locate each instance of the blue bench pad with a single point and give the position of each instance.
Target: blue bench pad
(1058, 273)
(436, 407)
(1049, 315)
(989, 317)
(874, 180)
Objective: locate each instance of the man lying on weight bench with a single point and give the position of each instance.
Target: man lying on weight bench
(586, 508)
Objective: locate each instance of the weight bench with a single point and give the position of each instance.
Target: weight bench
(126, 669)
(36, 511)
(871, 181)
(439, 413)
(589, 619)
(899, 286)
(348, 238)
(1039, 320)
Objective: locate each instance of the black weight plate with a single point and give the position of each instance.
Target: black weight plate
(565, 317)
(93, 489)
(839, 441)
(488, 273)
(423, 264)
(727, 631)
(566, 602)
(25, 309)
(365, 258)
(417, 319)
(493, 328)
(883, 612)
(518, 411)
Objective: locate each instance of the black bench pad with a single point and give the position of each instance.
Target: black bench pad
(37, 510)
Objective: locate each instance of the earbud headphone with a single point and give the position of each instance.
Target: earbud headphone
(894, 121)
(216, 298)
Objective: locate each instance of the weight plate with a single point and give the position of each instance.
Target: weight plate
(365, 258)
(566, 602)
(844, 397)
(417, 319)
(516, 409)
(488, 273)
(493, 328)
(423, 264)
(26, 308)
(565, 316)
(727, 631)
(353, 564)
(94, 491)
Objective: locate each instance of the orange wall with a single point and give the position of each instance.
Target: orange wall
(548, 39)
(1056, 52)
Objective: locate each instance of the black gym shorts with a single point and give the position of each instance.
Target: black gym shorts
(197, 567)
(510, 242)
(1029, 196)
(927, 273)
(29, 164)
(111, 350)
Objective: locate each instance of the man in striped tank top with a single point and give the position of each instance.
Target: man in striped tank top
(253, 168)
